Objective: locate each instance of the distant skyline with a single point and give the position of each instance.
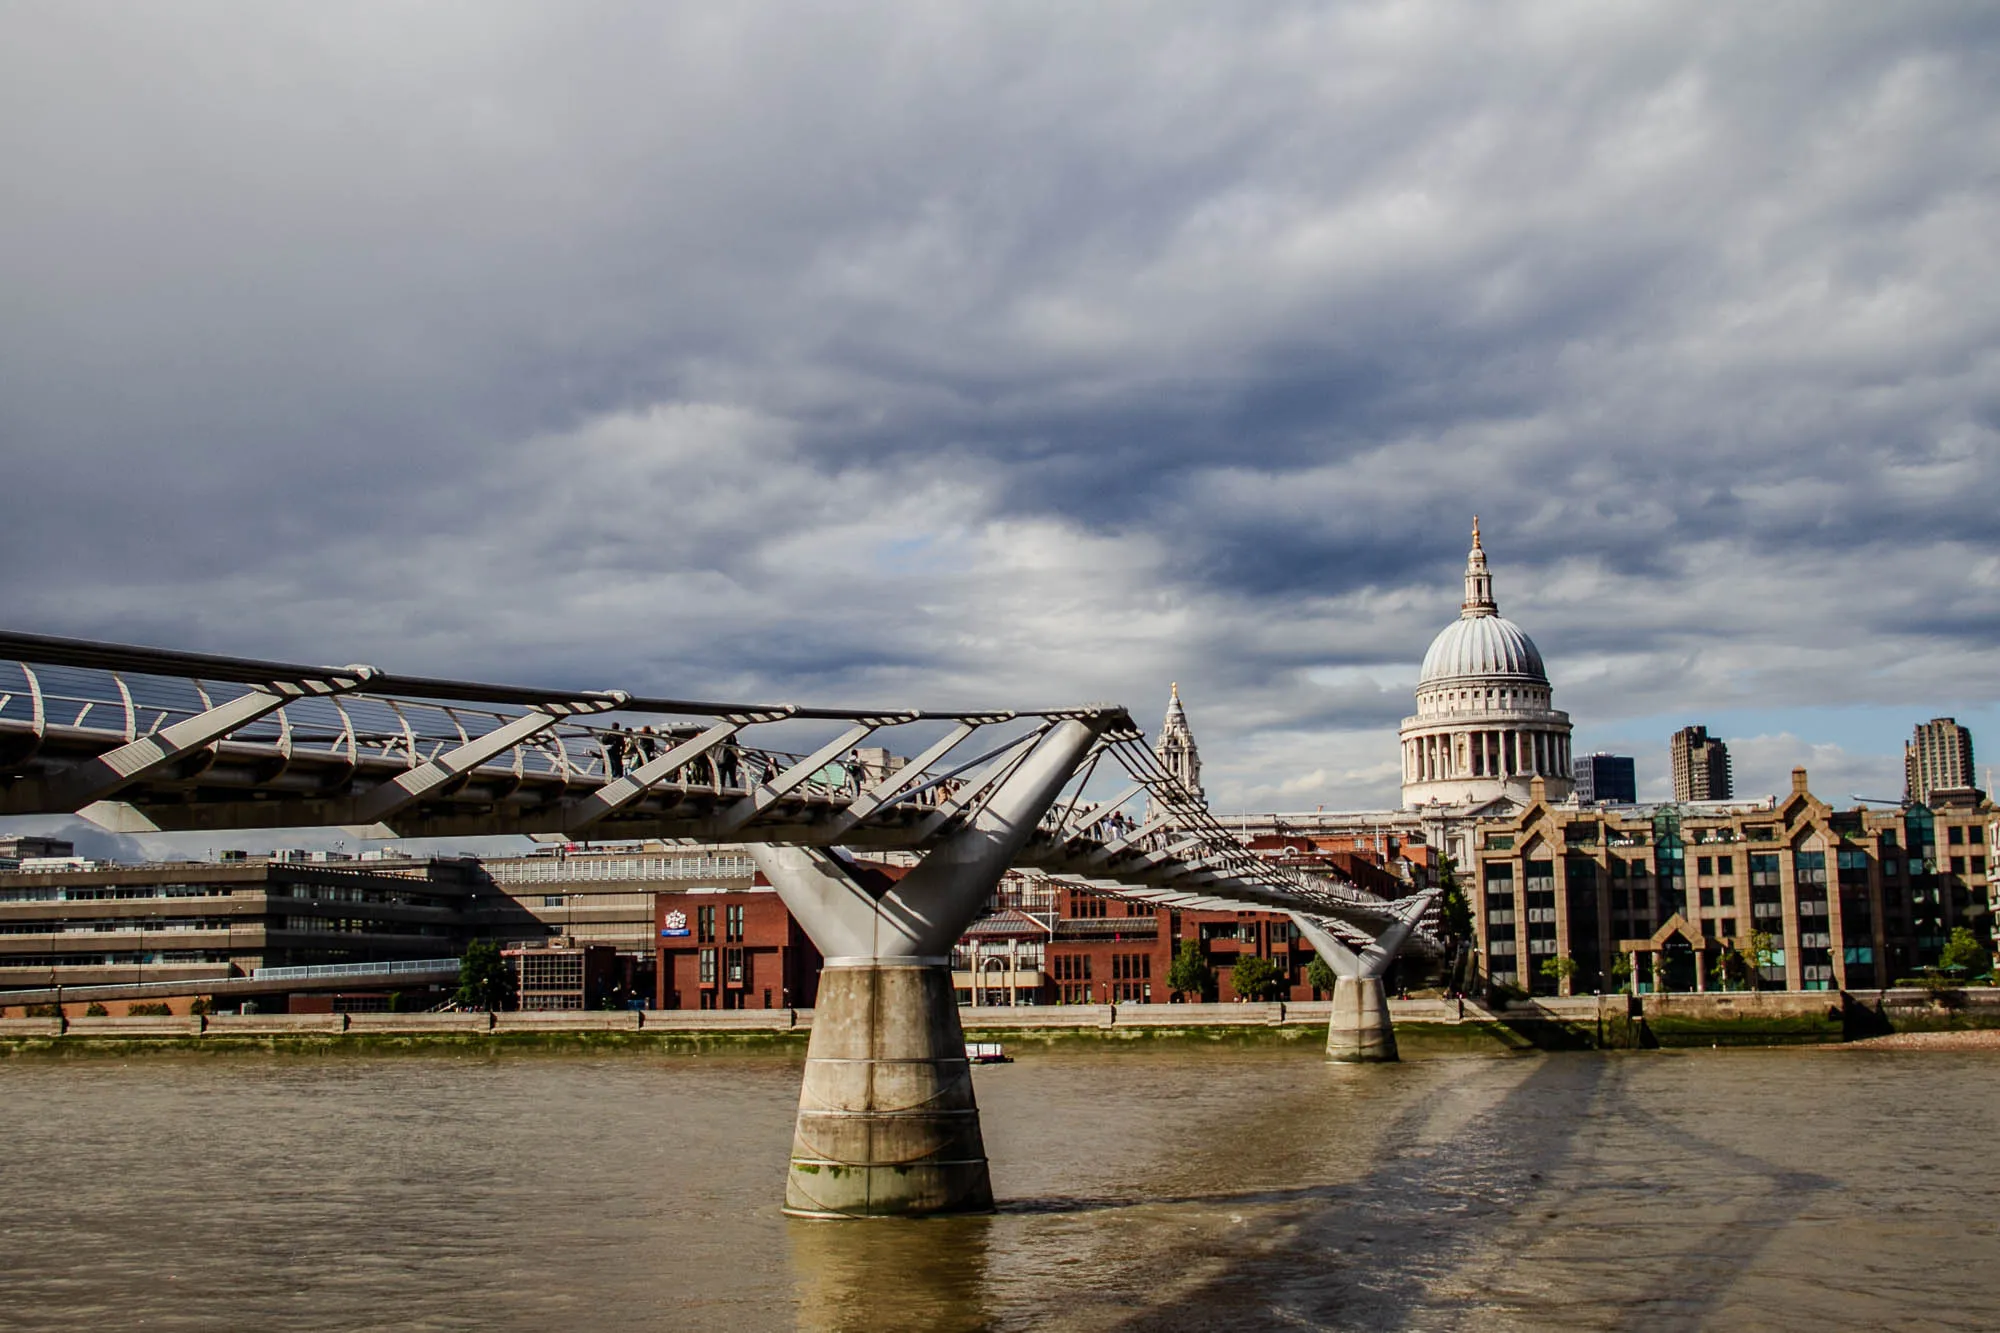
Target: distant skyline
(1030, 353)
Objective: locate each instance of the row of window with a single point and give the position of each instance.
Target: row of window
(75, 895)
(1131, 966)
(1070, 967)
(125, 959)
(132, 927)
(732, 924)
(733, 965)
(354, 925)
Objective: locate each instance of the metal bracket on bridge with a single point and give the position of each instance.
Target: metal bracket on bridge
(106, 775)
(581, 814)
(767, 794)
(883, 793)
(380, 802)
(1369, 960)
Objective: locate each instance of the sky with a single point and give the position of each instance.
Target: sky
(1027, 354)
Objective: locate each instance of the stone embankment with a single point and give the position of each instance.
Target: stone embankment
(1966, 1039)
(1578, 1022)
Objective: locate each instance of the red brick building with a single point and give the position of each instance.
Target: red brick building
(1042, 944)
(1089, 948)
(735, 950)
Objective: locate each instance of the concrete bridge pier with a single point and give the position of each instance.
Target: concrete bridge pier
(1361, 1031)
(887, 1121)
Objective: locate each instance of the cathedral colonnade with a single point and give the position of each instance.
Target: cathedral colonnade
(1505, 752)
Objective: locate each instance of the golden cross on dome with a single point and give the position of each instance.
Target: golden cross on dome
(1475, 532)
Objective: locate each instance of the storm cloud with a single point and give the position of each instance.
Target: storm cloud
(1022, 354)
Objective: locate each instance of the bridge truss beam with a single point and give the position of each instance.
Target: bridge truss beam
(135, 738)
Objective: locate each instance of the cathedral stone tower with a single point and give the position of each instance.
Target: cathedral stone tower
(1175, 748)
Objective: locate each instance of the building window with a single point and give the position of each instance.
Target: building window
(1955, 835)
(707, 969)
(734, 922)
(1725, 865)
(704, 924)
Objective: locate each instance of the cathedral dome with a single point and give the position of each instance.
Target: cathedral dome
(1481, 642)
(1483, 645)
(1486, 729)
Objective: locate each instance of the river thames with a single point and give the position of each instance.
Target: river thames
(1140, 1188)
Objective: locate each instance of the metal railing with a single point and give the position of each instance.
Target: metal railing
(108, 695)
(337, 970)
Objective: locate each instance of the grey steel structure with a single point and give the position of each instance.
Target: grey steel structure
(140, 739)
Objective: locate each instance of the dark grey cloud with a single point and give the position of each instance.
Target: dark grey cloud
(1032, 352)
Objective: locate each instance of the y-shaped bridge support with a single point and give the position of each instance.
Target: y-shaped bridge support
(1360, 1030)
(887, 1122)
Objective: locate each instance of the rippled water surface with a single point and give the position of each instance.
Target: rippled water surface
(1141, 1189)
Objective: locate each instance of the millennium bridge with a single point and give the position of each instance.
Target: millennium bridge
(148, 740)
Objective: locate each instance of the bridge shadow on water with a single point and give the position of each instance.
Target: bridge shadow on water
(1435, 1234)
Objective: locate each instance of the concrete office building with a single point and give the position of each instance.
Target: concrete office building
(88, 924)
(1700, 766)
(1938, 758)
(1849, 899)
(560, 974)
(605, 895)
(29, 847)
(1606, 779)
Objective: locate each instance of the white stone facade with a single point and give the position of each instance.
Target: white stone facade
(1485, 726)
(1176, 748)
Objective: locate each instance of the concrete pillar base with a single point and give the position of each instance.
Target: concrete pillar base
(1360, 1031)
(887, 1123)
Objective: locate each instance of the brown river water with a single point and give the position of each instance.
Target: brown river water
(1141, 1189)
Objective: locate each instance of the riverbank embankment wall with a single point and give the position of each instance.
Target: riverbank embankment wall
(1578, 1022)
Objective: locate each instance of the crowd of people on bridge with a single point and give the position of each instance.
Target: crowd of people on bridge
(724, 767)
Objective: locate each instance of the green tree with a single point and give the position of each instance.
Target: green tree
(1559, 970)
(482, 977)
(1255, 978)
(1756, 954)
(1190, 973)
(1454, 911)
(148, 1009)
(1964, 950)
(95, 1010)
(1621, 972)
(1319, 976)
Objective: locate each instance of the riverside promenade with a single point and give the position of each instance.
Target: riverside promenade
(1579, 1022)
